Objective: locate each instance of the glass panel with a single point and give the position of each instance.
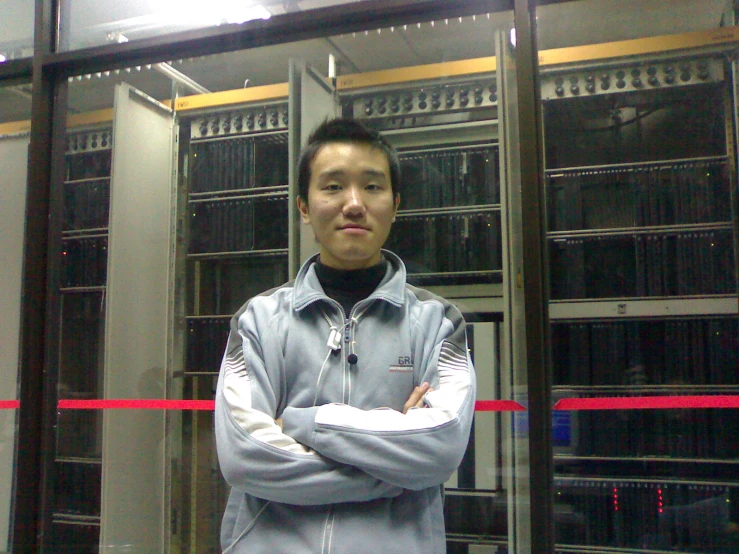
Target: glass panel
(86, 23)
(14, 140)
(639, 150)
(437, 103)
(15, 107)
(16, 30)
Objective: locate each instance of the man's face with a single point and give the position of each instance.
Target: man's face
(350, 204)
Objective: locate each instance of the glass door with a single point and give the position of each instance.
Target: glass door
(227, 201)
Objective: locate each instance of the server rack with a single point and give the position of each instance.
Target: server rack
(642, 220)
(448, 226)
(448, 232)
(233, 244)
(78, 461)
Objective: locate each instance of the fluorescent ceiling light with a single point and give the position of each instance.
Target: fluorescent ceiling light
(213, 12)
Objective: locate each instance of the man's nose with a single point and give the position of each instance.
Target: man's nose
(354, 202)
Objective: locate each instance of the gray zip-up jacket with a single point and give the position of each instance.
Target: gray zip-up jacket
(348, 472)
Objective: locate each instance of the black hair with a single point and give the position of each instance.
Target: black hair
(344, 129)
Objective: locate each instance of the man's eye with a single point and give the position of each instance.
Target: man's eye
(332, 187)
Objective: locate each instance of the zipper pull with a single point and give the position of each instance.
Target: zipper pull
(347, 330)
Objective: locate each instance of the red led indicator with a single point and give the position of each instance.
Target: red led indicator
(615, 499)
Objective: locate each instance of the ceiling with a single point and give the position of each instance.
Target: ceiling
(564, 24)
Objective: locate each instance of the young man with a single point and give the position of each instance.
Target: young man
(346, 396)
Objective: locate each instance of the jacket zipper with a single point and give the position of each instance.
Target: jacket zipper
(328, 532)
(346, 389)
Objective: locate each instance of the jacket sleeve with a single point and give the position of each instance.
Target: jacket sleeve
(254, 454)
(416, 450)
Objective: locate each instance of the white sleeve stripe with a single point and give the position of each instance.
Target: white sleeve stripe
(457, 366)
(381, 419)
(445, 357)
(234, 364)
(452, 359)
(237, 394)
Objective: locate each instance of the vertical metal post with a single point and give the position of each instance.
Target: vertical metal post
(535, 277)
(294, 144)
(34, 416)
(732, 131)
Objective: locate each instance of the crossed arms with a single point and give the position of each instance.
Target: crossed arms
(336, 453)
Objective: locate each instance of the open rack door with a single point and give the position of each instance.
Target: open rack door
(312, 100)
(514, 382)
(14, 156)
(136, 322)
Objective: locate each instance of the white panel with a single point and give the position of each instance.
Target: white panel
(486, 437)
(614, 309)
(133, 488)
(419, 137)
(486, 423)
(13, 170)
(482, 549)
(514, 373)
(318, 103)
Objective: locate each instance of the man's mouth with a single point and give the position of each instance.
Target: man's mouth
(354, 229)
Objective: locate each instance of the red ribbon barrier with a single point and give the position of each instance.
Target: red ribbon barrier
(136, 405)
(498, 406)
(648, 403)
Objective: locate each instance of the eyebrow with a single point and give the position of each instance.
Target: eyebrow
(339, 172)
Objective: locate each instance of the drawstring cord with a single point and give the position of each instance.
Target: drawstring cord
(248, 528)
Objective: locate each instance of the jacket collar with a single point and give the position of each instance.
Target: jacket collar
(307, 288)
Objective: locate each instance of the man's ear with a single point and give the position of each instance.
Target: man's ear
(303, 208)
(396, 201)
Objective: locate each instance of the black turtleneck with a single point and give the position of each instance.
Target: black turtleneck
(348, 287)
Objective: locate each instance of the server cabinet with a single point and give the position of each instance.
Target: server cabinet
(451, 233)
(445, 129)
(241, 237)
(231, 244)
(641, 173)
(14, 156)
(77, 466)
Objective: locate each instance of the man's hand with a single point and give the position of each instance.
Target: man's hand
(415, 400)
